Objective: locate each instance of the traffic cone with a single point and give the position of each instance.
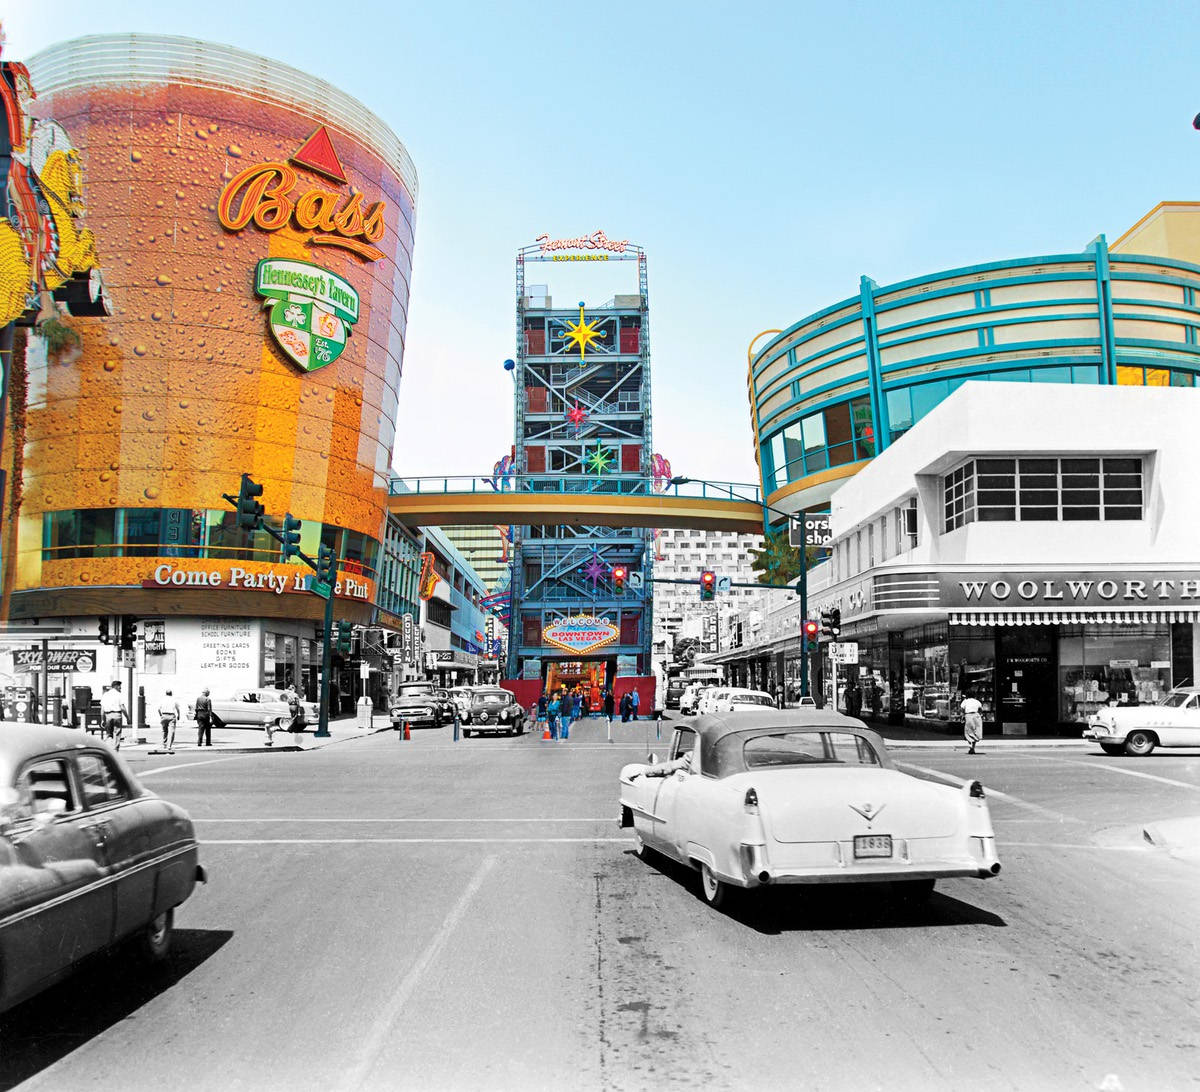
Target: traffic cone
(407, 733)
(546, 731)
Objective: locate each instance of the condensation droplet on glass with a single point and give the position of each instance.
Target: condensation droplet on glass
(140, 350)
(162, 280)
(135, 156)
(110, 366)
(150, 492)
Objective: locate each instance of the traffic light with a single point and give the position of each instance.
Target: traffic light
(831, 623)
(128, 634)
(326, 565)
(105, 635)
(250, 511)
(811, 631)
(708, 585)
(345, 631)
(290, 546)
(619, 573)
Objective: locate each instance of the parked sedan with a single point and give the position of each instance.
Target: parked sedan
(251, 709)
(737, 700)
(1138, 729)
(88, 858)
(802, 796)
(493, 710)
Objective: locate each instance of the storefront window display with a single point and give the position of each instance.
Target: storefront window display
(927, 677)
(973, 671)
(1131, 666)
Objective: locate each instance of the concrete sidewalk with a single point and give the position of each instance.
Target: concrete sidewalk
(243, 740)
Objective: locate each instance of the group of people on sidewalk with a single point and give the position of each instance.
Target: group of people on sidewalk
(563, 708)
(114, 715)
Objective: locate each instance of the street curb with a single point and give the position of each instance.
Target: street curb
(986, 746)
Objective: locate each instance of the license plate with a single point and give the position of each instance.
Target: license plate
(872, 845)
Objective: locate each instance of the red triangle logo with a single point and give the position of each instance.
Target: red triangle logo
(317, 154)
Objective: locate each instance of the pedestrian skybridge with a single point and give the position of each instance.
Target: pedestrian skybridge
(609, 500)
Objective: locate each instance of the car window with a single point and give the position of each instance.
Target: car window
(685, 741)
(99, 780)
(1176, 700)
(809, 748)
(1193, 702)
(46, 787)
(753, 699)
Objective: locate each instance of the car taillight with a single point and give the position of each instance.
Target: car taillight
(751, 802)
(976, 790)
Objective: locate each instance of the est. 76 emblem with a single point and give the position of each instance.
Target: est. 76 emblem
(310, 310)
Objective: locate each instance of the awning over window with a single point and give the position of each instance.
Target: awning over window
(1070, 617)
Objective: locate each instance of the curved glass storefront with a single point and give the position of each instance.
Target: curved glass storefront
(254, 230)
(839, 386)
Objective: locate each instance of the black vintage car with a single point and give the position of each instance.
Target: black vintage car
(491, 709)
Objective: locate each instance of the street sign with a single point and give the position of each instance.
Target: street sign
(318, 587)
(127, 657)
(809, 530)
(843, 652)
(364, 671)
(724, 583)
(635, 582)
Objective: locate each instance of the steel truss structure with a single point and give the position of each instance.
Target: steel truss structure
(582, 412)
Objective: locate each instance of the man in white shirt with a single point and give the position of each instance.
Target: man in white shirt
(112, 713)
(168, 712)
(972, 709)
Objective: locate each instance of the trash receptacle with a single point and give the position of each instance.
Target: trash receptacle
(365, 708)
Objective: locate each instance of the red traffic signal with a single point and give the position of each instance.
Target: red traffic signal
(811, 629)
(708, 584)
(619, 573)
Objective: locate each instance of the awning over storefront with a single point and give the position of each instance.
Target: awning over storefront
(1069, 617)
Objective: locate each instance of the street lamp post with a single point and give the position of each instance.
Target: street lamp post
(804, 687)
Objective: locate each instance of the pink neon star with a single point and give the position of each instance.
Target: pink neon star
(577, 415)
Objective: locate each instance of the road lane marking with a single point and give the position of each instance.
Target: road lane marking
(397, 841)
(1057, 816)
(601, 819)
(372, 1046)
(187, 765)
(1128, 773)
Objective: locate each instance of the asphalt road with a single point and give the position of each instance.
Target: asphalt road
(431, 915)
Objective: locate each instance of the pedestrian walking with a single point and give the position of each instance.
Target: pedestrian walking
(552, 711)
(543, 701)
(594, 700)
(626, 708)
(296, 710)
(577, 705)
(168, 714)
(204, 715)
(972, 709)
(609, 702)
(113, 713)
(635, 701)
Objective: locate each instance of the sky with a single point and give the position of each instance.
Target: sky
(765, 155)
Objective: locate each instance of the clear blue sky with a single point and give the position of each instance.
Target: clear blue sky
(764, 154)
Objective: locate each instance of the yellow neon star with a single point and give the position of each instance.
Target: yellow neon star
(584, 333)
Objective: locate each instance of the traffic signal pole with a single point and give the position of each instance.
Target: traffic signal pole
(326, 666)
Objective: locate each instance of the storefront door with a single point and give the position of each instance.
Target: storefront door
(1027, 682)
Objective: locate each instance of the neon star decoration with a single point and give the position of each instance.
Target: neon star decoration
(598, 460)
(583, 334)
(577, 415)
(595, 569)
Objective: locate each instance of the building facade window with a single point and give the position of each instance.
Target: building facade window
(1050, 488)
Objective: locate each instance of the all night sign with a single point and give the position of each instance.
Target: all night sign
(580, 635)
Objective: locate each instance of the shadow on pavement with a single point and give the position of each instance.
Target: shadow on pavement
(801, 907)
(105, 990)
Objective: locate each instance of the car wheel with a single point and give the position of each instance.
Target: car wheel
(282, 724)
(154, 941)
(1113, 748)
(716, 892)
(643, 851)
(913, 892)
(1139, 743)
(466, 733)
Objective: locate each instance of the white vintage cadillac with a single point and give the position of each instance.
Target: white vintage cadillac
(802, 796)
(1138, 729)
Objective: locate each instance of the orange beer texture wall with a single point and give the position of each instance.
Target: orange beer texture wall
(184, 388)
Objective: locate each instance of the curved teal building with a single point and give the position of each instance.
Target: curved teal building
(838, 386)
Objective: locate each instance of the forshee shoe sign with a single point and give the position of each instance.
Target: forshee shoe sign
(580, 635)
(311, 310)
